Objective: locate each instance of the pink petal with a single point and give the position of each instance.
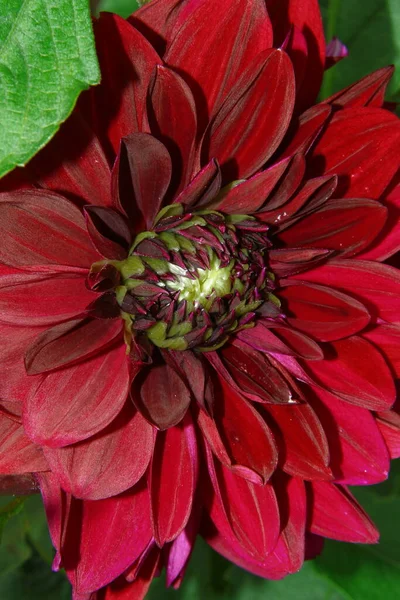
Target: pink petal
(372, 138)
(161, 396)
(173, 479)
(243, 134)
(335, 52)
(107, 464)
(347, 226)
(38, 227)
(214, 52)
(76, 402)
(306, 452)
(172, 118)
(322, 312)
(17, 453)
(358, 452)
(337, 515)
(377, 286)
(349, 376)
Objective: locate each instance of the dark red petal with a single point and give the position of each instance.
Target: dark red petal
(305, 447)
(369, 91)
(356, 141)
(250, 195)
(377, 286)
(17, 453)
(285, 262)
(322, 312)
(155, 20)
(191, 369)
(108, 231)
(69, 343)
(389, 425)
(113, 534)
(336, 514)
(38, 227)
(150, 171)
(252, 511)
(203, 188)
(247, 439)
(358, 452)
(306, 128)
(348, 374)
(280, 340)
(161, 396)
(76, 402)
(173, 479)
(33, 299)
(255, 376)
(73, 164)
(347, 226)
(387, 339)
(172, 118)
(305, 16)
(243, 134)
(214, 52)
(107, 464)
(118, 104)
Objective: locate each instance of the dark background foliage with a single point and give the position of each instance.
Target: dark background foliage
(371, 31)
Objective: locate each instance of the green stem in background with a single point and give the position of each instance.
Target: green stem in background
(331, 21)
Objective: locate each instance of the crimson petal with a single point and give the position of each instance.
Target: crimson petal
(173, 478)
(322, 312)
(172, 118)
(17, 453)
(369, 91)
(387, 339)
(348, 374)
(76, 402)
(38, 227)
(215, 52)
(242, 136)
(69, 343)
(108, 231)
(347, 226)
(161, 396)
(306, 128)
(107, 464)
(336, 514)
(203, 188)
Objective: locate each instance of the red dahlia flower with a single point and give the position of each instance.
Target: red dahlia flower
(199, 332)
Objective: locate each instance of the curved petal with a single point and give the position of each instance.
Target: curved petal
(113, 534)
(173, 478)
(203, 188)
(38, 227)
(376, 285)
(348, 226)
(254, 117)
(337, 515)
(116, 108)
(214, 52)
(76, 402)
(322, 312)
(348, 374)
(161, 395)
(107, 464)
(368, 91)
(172, 118)
(372, 137)
(387, 339)
(17, 453)
(358, 452)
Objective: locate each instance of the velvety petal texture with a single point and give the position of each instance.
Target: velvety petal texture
(199, 300)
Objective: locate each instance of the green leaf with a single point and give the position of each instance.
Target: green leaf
(369, 572)
(371, 31)
(8, 511)
(47, 57)
(124, 8)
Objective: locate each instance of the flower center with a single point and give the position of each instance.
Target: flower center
(195, 279)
